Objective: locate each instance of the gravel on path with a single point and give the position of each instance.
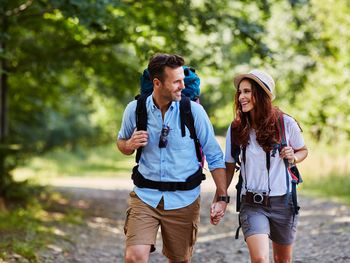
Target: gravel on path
(323, 232)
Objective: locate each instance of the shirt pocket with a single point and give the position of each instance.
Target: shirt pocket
(177, 142)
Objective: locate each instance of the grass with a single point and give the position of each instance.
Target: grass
(334, 186)
(22, 232)
(101, 161)
(29, 227)
(326, 172)
(324, 161)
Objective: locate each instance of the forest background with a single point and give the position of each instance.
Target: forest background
(68, 68)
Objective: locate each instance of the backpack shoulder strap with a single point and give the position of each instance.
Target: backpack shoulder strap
(235, 150)
(236, 153)
(292, 170)
(282, 130)
(186, 119)
(141, 120)
(282, 133)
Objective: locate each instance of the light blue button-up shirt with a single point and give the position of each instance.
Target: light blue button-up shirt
(178, 160)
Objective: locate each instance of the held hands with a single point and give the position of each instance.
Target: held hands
(217, 211)
(288, 153)
(138, 139)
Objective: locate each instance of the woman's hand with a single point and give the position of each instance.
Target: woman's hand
(288, 153)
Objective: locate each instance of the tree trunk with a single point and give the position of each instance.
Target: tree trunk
(3, 86)
(3, 113)
(3, 208)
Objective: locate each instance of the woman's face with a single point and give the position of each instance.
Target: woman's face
(245, 97)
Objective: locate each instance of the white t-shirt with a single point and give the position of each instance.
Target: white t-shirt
(254, 172)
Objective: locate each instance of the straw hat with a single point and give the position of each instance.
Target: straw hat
(264, 80)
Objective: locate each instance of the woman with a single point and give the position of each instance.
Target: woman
(267, 209)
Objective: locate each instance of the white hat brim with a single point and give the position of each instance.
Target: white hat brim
(239, 78)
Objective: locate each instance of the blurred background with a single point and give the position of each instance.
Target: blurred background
(68, 68)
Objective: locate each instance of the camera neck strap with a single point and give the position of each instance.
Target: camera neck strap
(268, 163)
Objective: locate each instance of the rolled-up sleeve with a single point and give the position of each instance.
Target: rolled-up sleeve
(205, 133)
(296, 140)
(129, 121)
(228, 155)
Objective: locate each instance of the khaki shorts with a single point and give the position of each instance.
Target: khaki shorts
(178, 227)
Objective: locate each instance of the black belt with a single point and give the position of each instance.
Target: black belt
(191, 182)
(256, 199)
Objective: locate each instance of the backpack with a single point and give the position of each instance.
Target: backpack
(191, 92)
(290, 170)
(192, 84)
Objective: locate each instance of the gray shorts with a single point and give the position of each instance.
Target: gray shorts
(277, 220)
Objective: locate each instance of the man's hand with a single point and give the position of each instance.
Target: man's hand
(137, 139)
(217, 211)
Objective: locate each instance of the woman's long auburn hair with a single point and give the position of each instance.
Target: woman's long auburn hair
(265, 116)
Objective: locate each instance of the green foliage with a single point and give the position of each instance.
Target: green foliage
(328, 85)
(228, 35)
(309, 62)
(28, 228)
(69, 63)
(61, 58)
(57, 50)
(88, 50)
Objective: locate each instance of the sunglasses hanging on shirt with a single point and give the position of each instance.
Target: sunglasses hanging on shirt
(163, 140)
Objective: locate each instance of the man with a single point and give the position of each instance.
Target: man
(168, 157)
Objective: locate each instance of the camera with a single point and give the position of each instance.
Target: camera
(257, 197)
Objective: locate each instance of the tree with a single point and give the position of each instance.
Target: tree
(309, 60)
(57, 56)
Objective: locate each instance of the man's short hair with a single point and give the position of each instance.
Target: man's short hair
(158, 63)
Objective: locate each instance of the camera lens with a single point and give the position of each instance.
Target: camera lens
(258, 198)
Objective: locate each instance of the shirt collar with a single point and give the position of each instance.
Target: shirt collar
(150, 100)
(154, 107)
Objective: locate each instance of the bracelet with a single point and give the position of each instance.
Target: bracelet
(225, 198)
(295, 160)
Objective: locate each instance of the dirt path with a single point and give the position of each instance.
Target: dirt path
(323, 231)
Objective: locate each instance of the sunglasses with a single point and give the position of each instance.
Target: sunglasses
(163, 141)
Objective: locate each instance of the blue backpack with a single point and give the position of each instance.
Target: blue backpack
(192, 83)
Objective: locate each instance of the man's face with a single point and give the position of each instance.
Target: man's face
(173, 84)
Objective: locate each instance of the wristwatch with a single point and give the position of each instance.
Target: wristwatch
(225, 198)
